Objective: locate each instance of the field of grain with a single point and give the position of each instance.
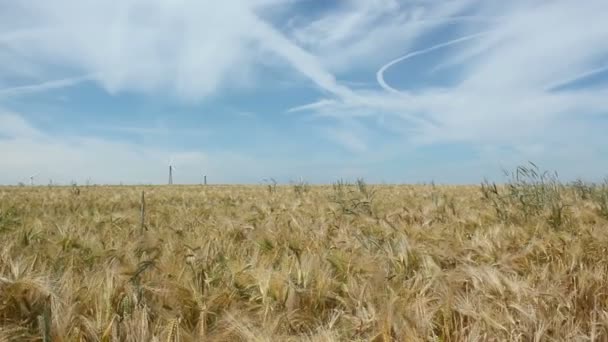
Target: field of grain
(524, 261)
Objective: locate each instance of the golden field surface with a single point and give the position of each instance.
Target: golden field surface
(348, 262)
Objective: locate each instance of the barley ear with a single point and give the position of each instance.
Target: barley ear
(45, 321)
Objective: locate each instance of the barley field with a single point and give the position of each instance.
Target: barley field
(522, 261)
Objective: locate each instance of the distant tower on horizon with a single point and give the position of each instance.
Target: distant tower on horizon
(171, 168)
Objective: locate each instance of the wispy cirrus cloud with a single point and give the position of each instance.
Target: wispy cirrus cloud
(188, 48)
(507, 67)
(360, 34)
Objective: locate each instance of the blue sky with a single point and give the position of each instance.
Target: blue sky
(392, 91)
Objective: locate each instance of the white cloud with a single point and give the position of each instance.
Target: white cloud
(503, 94)
(540, 44)
(13, 126)
(190, 48)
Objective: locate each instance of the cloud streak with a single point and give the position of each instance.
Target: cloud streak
(43, 86)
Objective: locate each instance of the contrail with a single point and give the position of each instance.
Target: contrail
(380, 73)
(34, 88)
(578, 77)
